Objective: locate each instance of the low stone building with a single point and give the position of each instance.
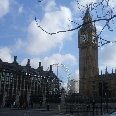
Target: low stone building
(24, 84)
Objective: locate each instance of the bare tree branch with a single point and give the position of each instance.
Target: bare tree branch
(107, 15)
(40, 0)
(97, 20)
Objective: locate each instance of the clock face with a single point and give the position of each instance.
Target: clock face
(94, 39)
(83, 38)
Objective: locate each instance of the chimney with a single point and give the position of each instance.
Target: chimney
(106, 71)
(50, 67)
(0, 60)
(15, 60)
(39, 64)
(28, 63)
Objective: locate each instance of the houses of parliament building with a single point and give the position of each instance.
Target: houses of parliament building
(91, 83)
(24, 85)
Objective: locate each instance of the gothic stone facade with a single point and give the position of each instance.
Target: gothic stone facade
(25, 85)
(91, 83)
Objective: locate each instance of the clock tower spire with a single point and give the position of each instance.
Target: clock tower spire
(87, 18)
(88, 55)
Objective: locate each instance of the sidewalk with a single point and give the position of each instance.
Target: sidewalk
(54, 111)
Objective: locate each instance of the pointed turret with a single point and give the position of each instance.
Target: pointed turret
(28, 63)
(50, 67)
(15, 60)
(106, 71)
(87, 17)
(112, 71)
(40, 66)
(87, 21)
(0, 60)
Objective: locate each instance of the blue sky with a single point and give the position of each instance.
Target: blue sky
(19, 34)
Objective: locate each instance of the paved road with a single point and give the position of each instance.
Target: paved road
(34, 112)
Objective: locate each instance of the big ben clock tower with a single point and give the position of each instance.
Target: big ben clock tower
(88, 55)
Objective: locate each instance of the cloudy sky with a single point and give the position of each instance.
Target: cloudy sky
(20, 36)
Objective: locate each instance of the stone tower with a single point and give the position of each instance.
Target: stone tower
(88, 55)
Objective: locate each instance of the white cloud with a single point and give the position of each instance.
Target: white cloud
(19, 44)
(76, 75)
(64, 85)
(108, 56)
(5, 54)
(38, 42)
(58, 58)
(112, 3)
(20, 10)
(99, 27)
(54, 59)
(4, 7)
(51, 5)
